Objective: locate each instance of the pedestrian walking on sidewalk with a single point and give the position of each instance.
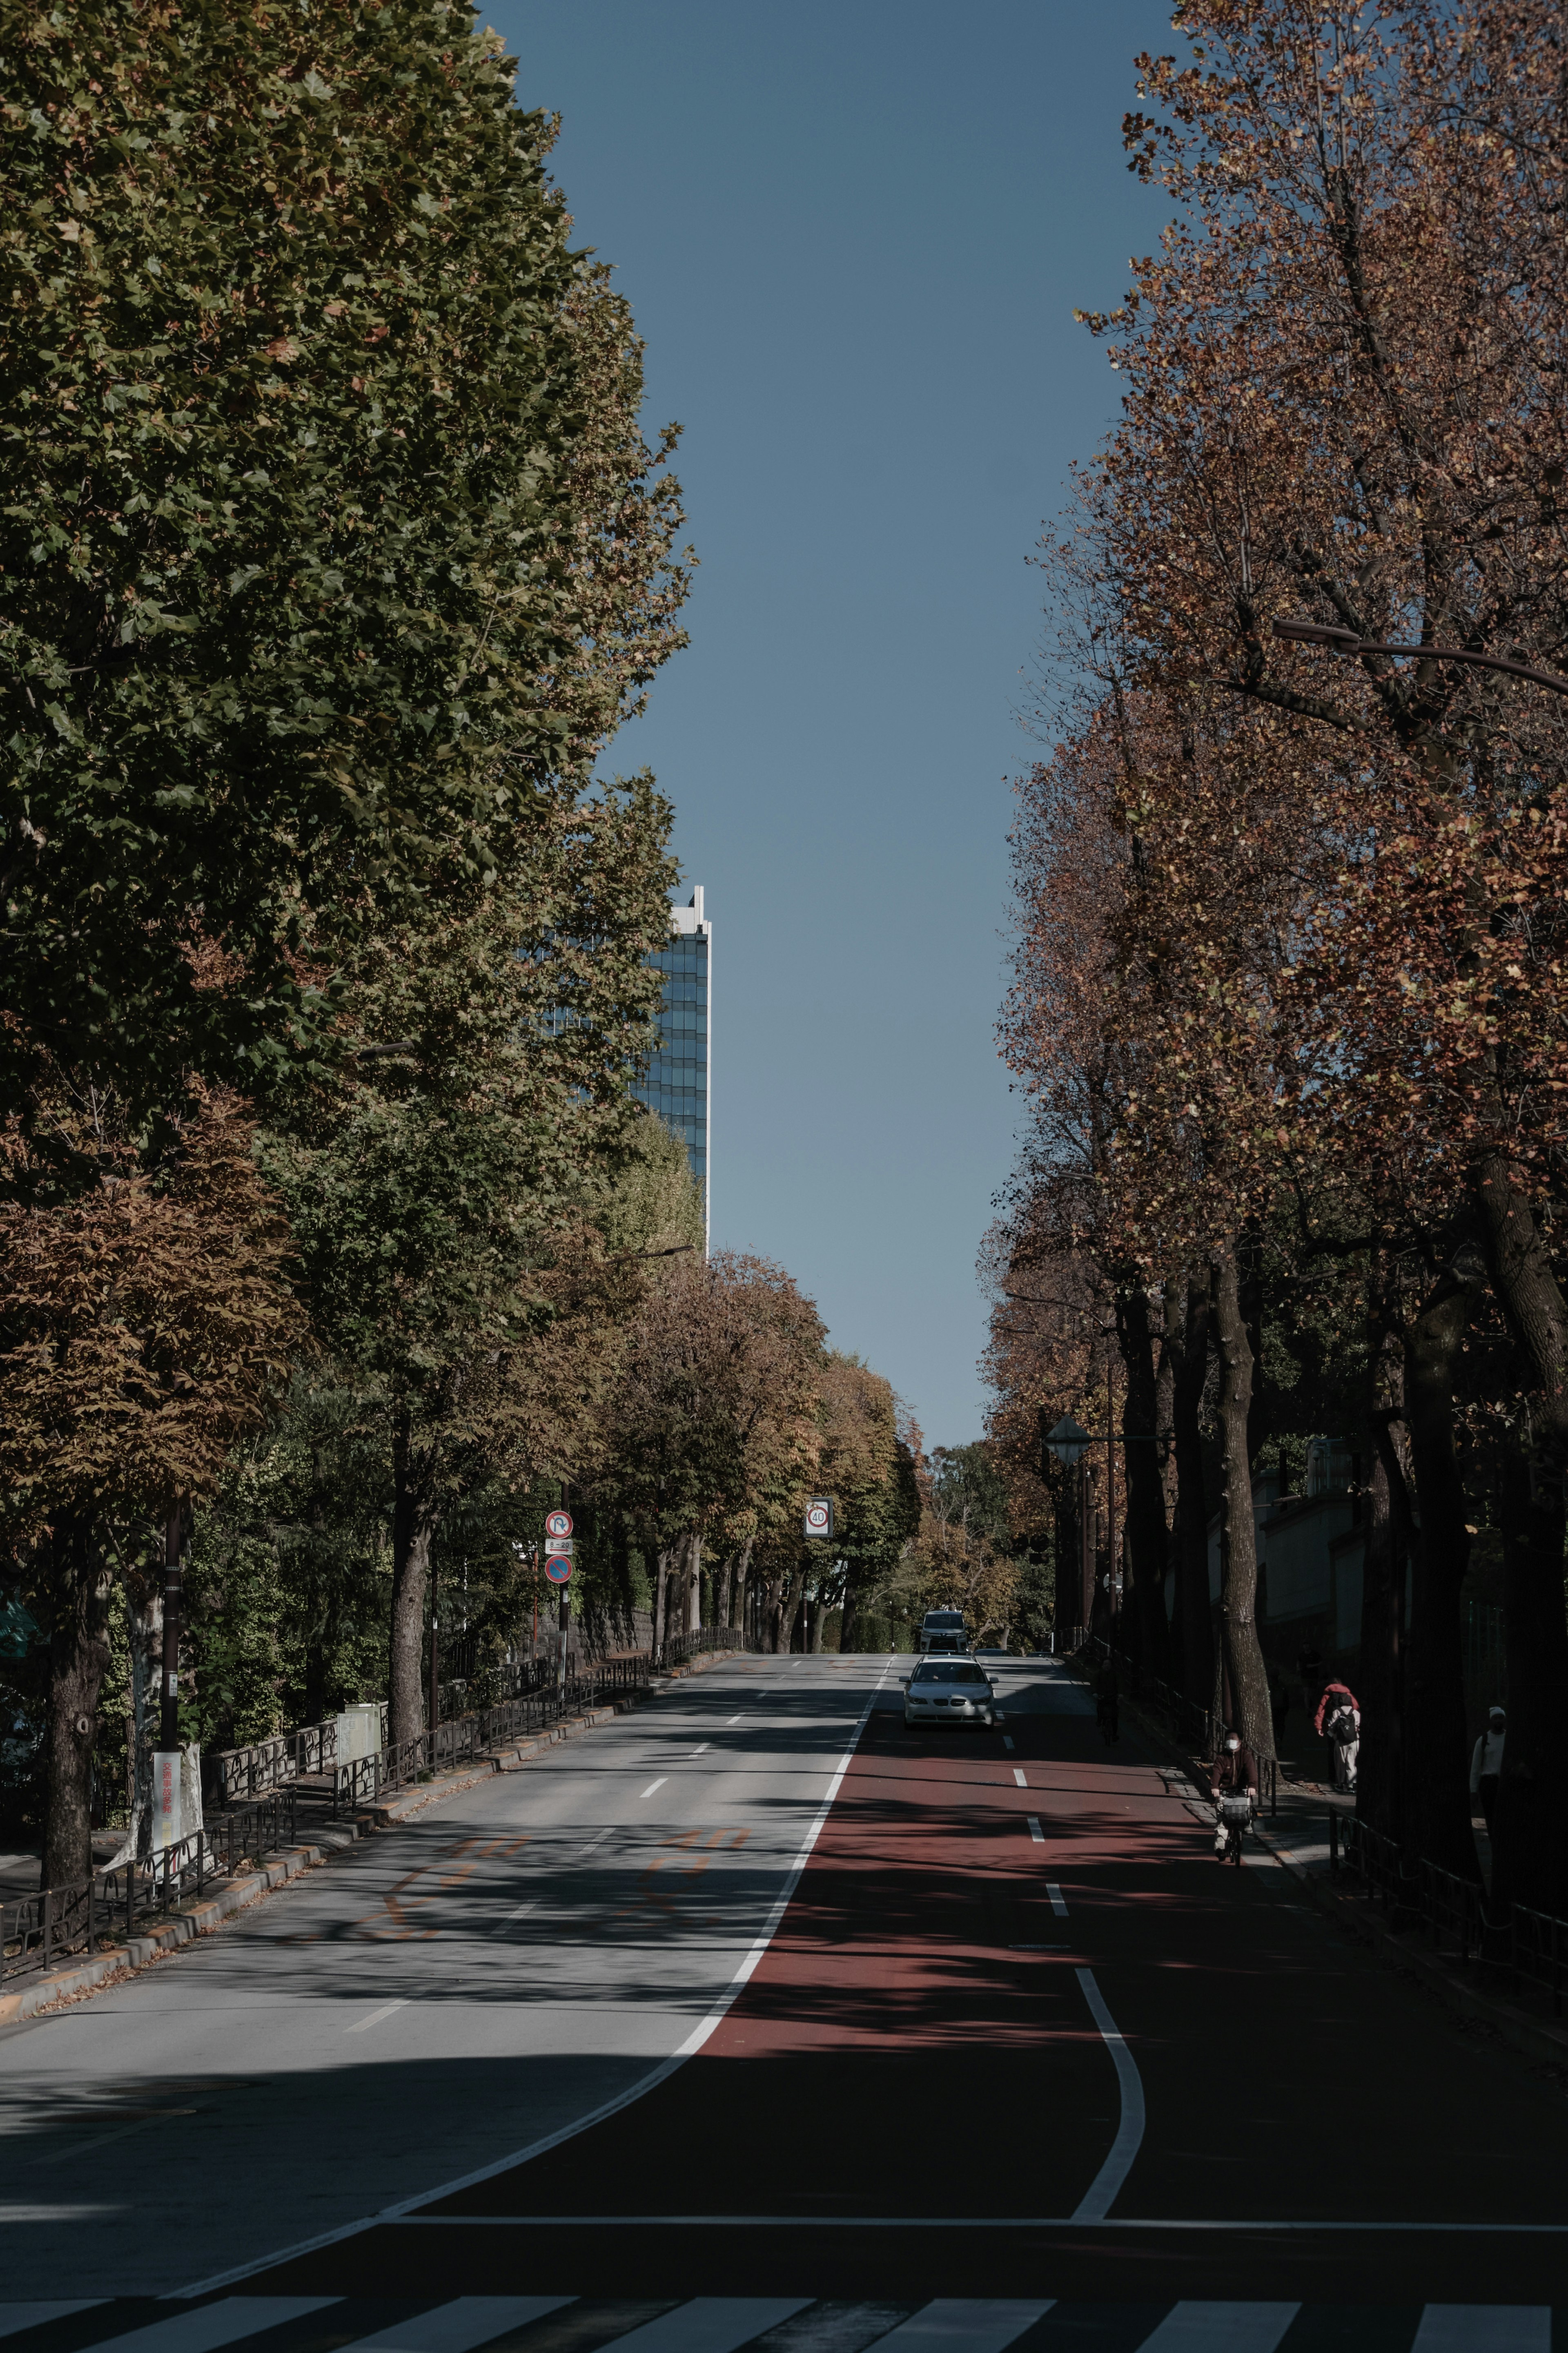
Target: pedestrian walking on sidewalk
(1107, 1696)
(1486, 1763)
(1235, 1775)
(1338, 1720)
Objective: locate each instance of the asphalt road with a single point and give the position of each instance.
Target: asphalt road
(447, 1994)
(1021, 2065)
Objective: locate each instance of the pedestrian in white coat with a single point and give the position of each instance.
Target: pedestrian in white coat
(1486, 1763)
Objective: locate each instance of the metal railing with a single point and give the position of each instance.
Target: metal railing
(37, 1930)
(1196, 1728)
(681, 1646)
(1532, 1947)
(396, 1764)
(1538, 1950)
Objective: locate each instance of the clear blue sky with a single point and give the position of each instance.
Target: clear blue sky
(853, 237)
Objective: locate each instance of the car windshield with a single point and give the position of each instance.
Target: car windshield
(945, 1671)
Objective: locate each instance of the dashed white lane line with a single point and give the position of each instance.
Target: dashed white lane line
(735, 1719)
(518, 1910)
(598, 1840)
(702, 1748)
(1018, 1776)
(1036, 1833)
(375, 2017)
(1055, 1893)
(1006, 1740)
(656, 1785)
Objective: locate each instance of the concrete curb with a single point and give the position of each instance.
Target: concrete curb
(61, 1987)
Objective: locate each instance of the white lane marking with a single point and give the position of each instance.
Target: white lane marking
(968, 2324)
(935, 2222)
(458, 2326)
(1221, 2329)
(1100, 2195)
(1006, 1740)
(712, 2323)
(16, 2316)
(656, 1785)
(519, 1911)
(1055, 1893)
(375, 2017)
(1036, 1833)
(598, 1840)
(215, 2323)
(734, 1719)
(1018, 1776)
(702, 1747)
(656, 2075)
(1484, 2328)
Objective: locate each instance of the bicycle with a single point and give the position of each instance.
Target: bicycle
(1236, 1814)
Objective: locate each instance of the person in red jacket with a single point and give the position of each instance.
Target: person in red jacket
(1339, 1719)
(1235, 1775)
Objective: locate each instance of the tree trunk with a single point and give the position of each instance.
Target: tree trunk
(414, 1523)
(789, 1606)
(660, 1591)
(1529, 1825)
(1380, 1770)
(79, 1654)
(1239, 1536)
(1146, 1538)
(693, 1573)
(1439, 1788)
(1192, 1528)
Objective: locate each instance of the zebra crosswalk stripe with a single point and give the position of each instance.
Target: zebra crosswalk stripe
(214, 2325)
(461, 2326)
(965, 2324)
(468, 2324)
(1221, 2329)
(712, 2323)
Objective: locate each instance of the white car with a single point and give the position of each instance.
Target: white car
(950, 1691)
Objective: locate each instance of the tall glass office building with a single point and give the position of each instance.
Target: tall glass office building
(676, 1083)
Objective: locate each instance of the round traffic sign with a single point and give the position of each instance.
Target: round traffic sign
(557, 1570)
(818, 1516)
(557, 1524)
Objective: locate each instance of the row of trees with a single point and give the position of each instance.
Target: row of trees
(1290, 974)
(333, 1242)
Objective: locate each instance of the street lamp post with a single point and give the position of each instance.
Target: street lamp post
(1346, 641)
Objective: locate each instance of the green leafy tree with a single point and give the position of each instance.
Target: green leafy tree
(329, 539)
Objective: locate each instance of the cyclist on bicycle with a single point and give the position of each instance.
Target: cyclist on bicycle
(1235, 1775)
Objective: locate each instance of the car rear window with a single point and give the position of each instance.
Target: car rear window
(944, 1618)
(948, 1670)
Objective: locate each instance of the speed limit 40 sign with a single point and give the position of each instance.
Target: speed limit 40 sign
(819, 1516)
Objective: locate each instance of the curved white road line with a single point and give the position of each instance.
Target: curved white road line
(644, 2084)
(1100, 2195)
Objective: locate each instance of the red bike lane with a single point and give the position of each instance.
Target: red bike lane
(913, 2092)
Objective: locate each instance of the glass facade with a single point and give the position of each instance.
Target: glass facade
(676, 1082)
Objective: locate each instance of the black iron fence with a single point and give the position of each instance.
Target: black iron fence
(362, 1780)
(1530, 1947)
(1196, 1730)
(683, 1647)
(60, 1923)
(264, 1787)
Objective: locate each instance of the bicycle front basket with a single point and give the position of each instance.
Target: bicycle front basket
(1235, 1812)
